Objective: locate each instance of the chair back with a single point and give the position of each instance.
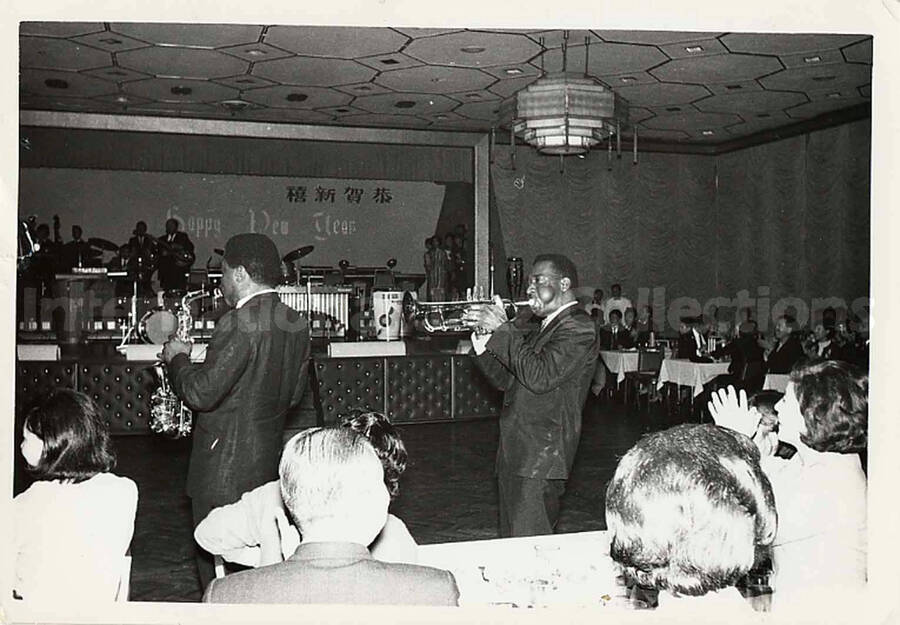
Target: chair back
(650, 360)
(752, 375)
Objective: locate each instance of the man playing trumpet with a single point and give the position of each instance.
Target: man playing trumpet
(545, 374)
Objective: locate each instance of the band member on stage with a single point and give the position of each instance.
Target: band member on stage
(143, 258)
(77, 252)
(176, 255)
(254, 372)
(545, 374)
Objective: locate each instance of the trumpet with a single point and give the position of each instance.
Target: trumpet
(448, 316)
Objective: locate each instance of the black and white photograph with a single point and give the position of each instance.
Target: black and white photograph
(473, 317)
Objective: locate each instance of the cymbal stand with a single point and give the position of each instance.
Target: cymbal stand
(131, 327)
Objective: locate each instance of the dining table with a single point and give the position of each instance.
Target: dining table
(685, 372)
(776, 382)
(572, 569)
(620, 361)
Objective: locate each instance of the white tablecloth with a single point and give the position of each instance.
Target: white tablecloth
(686, 373)
(776, 382)
(620, 362)
(560, 569)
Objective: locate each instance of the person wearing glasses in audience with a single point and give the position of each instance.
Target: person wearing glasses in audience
(545, 374)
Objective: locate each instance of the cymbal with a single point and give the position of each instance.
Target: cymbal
(298, 253)
(103, 244)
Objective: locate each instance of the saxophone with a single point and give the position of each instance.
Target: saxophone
(168, 414)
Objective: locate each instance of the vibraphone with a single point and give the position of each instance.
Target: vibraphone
(326, 307)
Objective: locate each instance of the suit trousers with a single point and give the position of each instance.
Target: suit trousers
(528, 506)
(200, 507)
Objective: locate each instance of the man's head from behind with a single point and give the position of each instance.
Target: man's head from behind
(332, 485)
(251, 262)
(689, 510)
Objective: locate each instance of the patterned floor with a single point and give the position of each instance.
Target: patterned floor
(447, 493)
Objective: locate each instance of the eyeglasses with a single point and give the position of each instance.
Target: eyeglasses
(542, 279)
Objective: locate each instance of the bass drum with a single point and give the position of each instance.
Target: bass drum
(157, 326)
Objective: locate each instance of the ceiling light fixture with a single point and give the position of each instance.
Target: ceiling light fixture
(566, 112)
(56, 83)
(512, 71)
(833, 95)
(472, 50)
(707, 133)
(404, 104)
(628, 79)
(256, 52)
(181, 90)
(296, 97)
(812, 59)
(693, 49)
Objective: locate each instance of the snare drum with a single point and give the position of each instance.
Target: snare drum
(157, 326)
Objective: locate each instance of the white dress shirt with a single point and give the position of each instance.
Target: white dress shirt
(479, 341)
(247, 298)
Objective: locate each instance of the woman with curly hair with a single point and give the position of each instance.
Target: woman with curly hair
(820, 492)
(74, 524)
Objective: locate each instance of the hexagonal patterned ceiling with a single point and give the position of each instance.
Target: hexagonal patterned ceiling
(682, 87)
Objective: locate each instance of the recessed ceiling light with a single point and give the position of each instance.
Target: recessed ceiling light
(256, 52)
(812, 59)
(122, 99)
(733, 87)
(235, 105)
(245, 81)
(181, 90)
(342, 110)
(472, 49)
(404, 104)
(440, 116)
(628, 79)
(673, 109)
(116, 72)
(764, 115)
(833, 95)
(363, 88)
(389, 62)
(823, 78)
(693, 49)
(296, 97)
(56, 83)
(512, 71)
(707, 133)
(473, 96)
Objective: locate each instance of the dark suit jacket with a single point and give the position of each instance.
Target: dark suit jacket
(620, 340)
(171, 276)
(687, 346)
(254, 372)
(785, 356)
(545, 376)
(336, 573)
(741, 350)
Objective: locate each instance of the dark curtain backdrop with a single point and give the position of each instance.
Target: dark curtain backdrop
(149, 151)
(788, 219)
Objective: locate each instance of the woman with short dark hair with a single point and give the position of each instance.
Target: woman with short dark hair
(820, 491)
(75, 522)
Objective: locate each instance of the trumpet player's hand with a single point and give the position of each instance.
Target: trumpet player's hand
(172, 348)
(485, 318)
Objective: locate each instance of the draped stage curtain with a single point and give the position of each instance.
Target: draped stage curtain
(789, 219)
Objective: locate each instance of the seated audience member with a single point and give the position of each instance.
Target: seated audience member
(689, 512)
(690, 341)
(823, 338)
(787, 350)
(762, 408)
(821, 490)
(614, 335)
(644, 325)
(74, 524)
(332, 483)
(746, 367)
(254, 531)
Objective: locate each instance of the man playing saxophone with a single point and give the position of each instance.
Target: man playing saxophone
(253, 374)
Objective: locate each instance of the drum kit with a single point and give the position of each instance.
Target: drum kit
(158, 324)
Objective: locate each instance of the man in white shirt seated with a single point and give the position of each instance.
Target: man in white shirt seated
(255, 531)
(616, 301)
